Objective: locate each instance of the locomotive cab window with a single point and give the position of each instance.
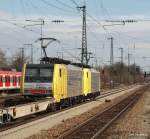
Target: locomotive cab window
(31, 72)
(39, 73)
(45, 72)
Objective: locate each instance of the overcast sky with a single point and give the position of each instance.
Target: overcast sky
(13, 34)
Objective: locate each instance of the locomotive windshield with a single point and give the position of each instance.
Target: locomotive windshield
(39, 73)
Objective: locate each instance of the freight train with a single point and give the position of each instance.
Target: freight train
(52, 87)
(9, 81)
(60, 81)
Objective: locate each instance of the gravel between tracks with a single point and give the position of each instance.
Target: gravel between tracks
(134, 124)
(57, 130)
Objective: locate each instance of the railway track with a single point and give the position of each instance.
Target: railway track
(95, 127)
(34, 117)
(111, 92)
(17, 99)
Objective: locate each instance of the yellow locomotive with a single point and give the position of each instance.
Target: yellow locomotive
(63, 82)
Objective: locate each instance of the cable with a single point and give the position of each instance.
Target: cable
(36, 7)
(118, 33)
(94, 36)
(11, 36)
(74, 2)
(17, 25)
(104, 9)
(64, 4)
(17, 31)
(78, 59)
(96, 21)
(54, 6)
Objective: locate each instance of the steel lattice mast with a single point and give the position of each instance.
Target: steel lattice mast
(84, 52)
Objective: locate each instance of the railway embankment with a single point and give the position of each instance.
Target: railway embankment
(80, 114)
(56, 124)
(134, 124)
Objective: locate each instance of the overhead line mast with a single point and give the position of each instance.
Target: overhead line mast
(84, 52)
(111, 51)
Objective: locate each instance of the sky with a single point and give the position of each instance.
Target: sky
(134, 38)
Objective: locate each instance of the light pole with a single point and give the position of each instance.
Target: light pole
(31, 55)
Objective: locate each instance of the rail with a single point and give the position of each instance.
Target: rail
(41, 114)
(95, 126)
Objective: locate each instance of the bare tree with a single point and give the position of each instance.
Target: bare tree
(3, 60)
(121, 74)
(18, 60)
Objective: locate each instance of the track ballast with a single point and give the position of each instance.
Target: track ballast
(95, 127)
